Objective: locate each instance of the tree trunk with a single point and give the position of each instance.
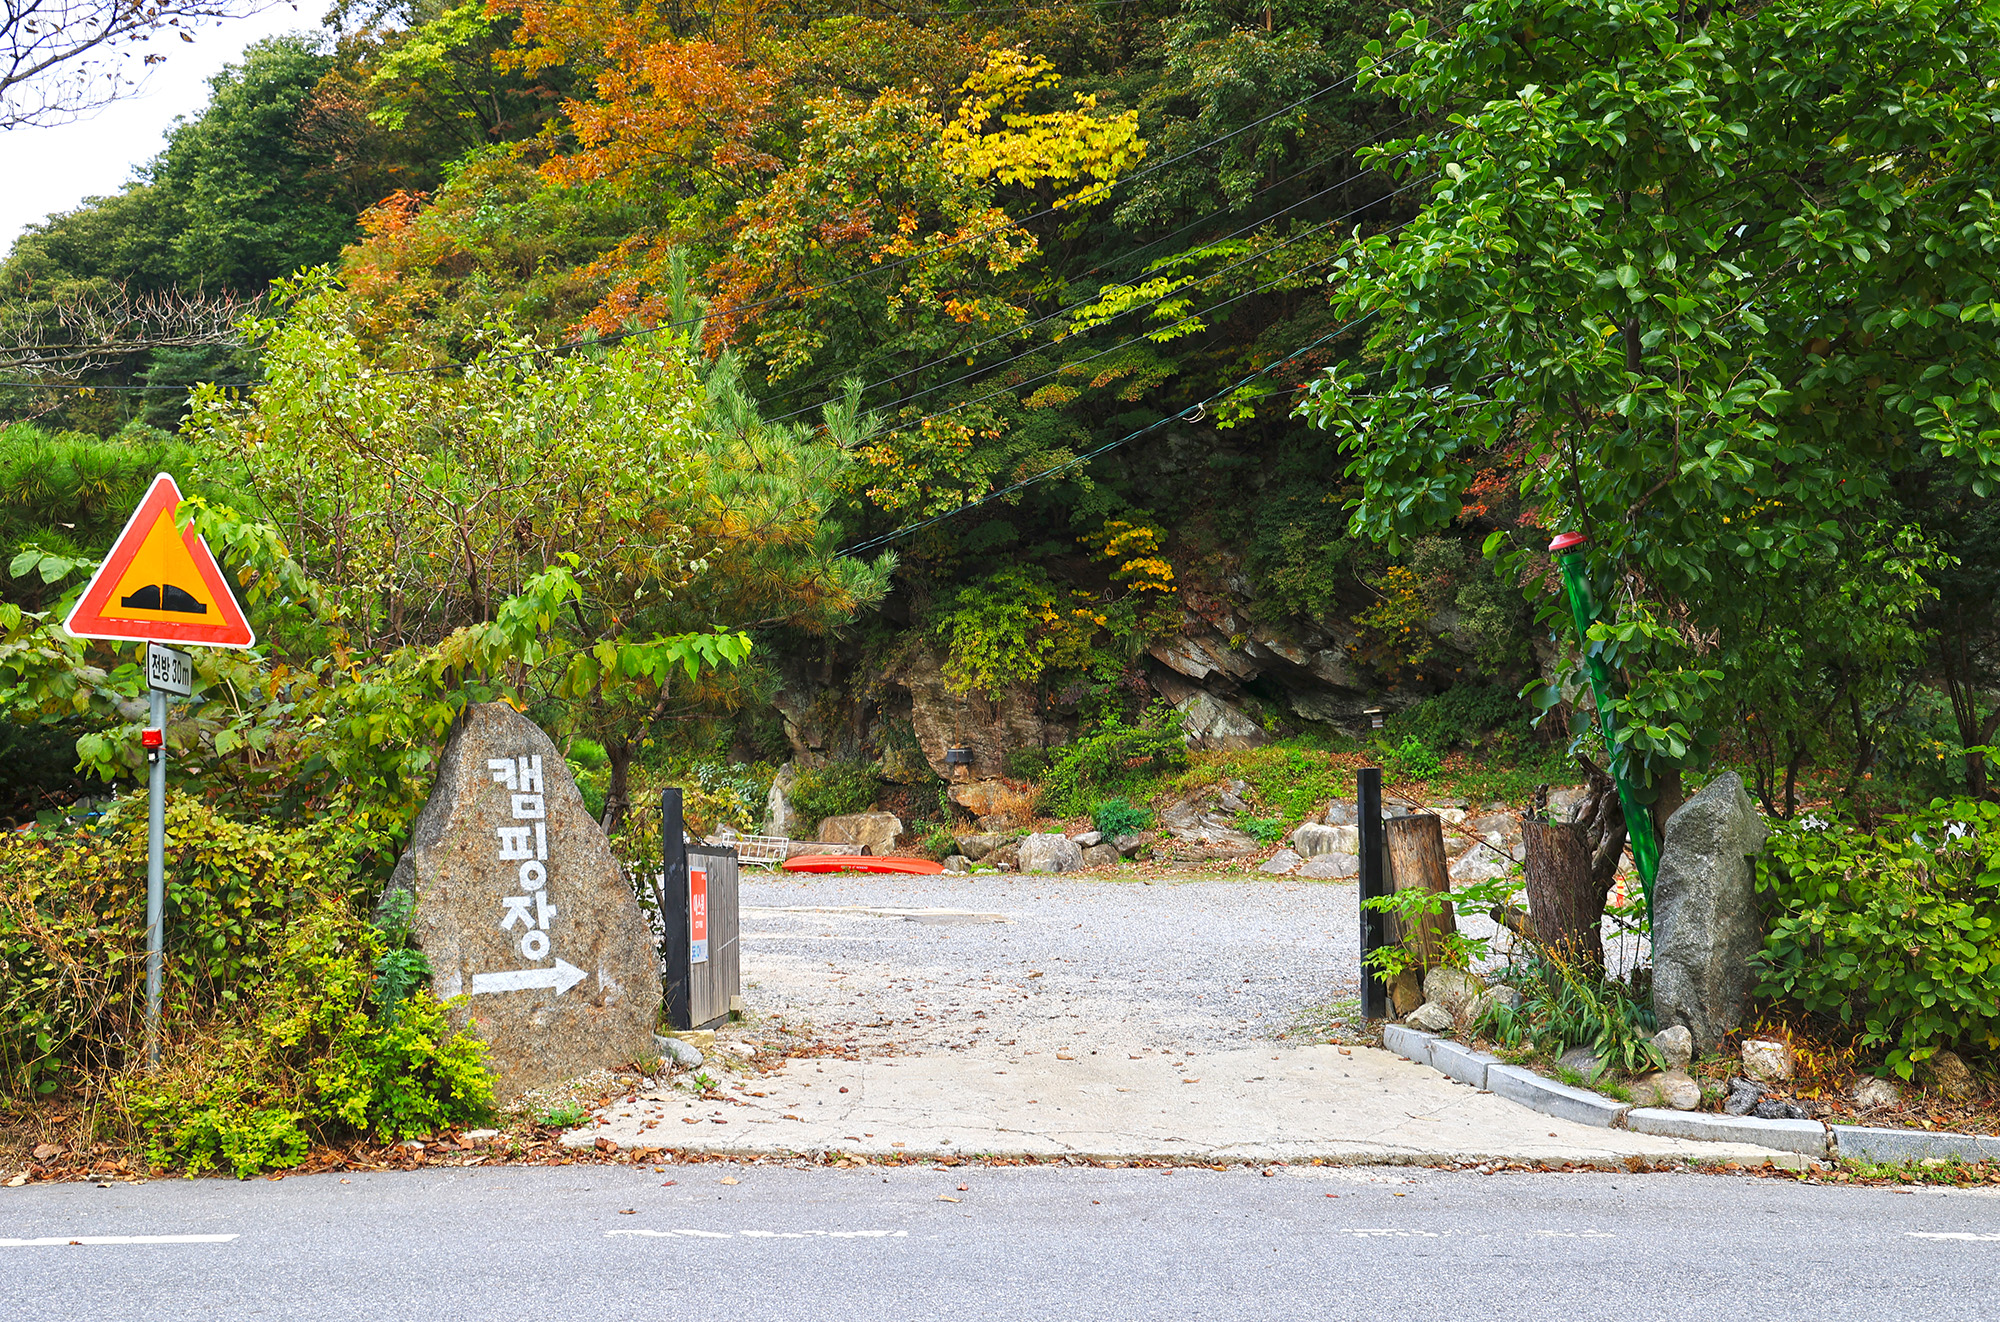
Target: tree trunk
(1414, 849)
(1565, 902)
(1667, 802)
(617, 798)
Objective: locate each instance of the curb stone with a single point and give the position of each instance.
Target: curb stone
(1457, 1061)
(1408, 1042)
(1556, 1099)
(1865, 1143)
(1805, 1137)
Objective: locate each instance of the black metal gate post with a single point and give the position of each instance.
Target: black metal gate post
(1374, 883)
(674, 917)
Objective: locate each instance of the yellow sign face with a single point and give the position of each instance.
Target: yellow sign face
(160, 584)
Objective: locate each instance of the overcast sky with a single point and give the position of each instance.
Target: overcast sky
(53, 169)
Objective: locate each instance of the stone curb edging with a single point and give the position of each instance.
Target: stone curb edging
(1808, 1138)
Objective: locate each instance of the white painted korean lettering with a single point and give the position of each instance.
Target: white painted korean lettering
(517, 910)
(514, 843)
(530, 776)
(527, 806)
(503, 771)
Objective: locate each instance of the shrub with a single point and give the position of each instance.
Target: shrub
(1117, 816)
(1896, 930)
(834, 790)
(939, 843)
(1264, 830)
(1114, 756)
(1464, 715)
(1026, 763)
(1413, 759)
(1567, 1005)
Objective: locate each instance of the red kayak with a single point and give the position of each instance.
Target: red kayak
(921, 867)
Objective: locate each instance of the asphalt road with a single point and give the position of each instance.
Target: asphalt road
(1042, 1243)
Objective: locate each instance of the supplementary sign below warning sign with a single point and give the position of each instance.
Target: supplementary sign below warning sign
(160, 583)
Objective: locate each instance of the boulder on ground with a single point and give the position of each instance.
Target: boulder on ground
(1006, 858)
(1430, 1017)
(1280, 863)
(1767, 1060)
(1675, 1045)
(1949, 1075)
(998, 804)
(873, 833)
(779, 817)
(1130, 843)
(976, 847)
(1451, 988)
(524, 911)
(1311, 840)
(1484, 1003)
(1085, 839)
(1332, 867)
(1479, 864)
(1673, 1089)
(1869, 1092)
(1406, 992)
(1101, 856)
(1705, 914)
(1581, 1060)
(1048, 852)
(1744, 1094)
(957, 864)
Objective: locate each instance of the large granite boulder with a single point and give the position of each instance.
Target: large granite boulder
(780, 818)
(997, 804)
(523, 910)
(872, 833)
(1050, 853)
(1706, 924)
(1311, 840)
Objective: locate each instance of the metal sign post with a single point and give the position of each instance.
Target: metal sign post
(166, 670)
(1368, 811)
(674, 901)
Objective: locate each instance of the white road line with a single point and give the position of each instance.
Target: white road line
(762, 1234)
(114, 1239)
(1948, 1234)
(1397, 1234)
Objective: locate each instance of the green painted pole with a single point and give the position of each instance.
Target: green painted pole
(1568, 551)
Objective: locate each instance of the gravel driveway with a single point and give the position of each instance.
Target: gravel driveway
(924, 964)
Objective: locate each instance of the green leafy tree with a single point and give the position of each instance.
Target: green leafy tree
(1720, 274)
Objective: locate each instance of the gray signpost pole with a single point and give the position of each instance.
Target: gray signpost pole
(156, 877)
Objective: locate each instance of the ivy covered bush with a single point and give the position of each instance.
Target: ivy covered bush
(1895, 931)
(288, 1015)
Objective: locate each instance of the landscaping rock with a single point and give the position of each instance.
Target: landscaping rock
(1672, 1089)
(1675, 1045)
(996, 804)
(1451, 988)
(1951, 1078)
(1767, 1060)
(1406, 992)
(1705, 913)
(1087, 839)
(976, 847)
(1479, 864)
(1743, 1096)
(1280, 863)
(1331, 867)
(1581, 1060)
(1341, 812)
(1049, 852)
(957, 864)
(1101, 856)
(1773, 1109)
(1007, 857)
(779, 818)
(873, 833)
(1130, 843)
(1431, 1017)
(681, 1054)
(523, 909)
(1870, 1092)
(1311, 840)
(1482, 1004)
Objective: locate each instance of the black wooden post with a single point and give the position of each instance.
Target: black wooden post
(673, 900)
(1374, 883)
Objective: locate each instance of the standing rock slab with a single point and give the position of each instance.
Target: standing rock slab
(873, 833)
(1705, 918)
(523, 910)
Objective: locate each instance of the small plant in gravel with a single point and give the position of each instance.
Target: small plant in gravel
(567, 1115)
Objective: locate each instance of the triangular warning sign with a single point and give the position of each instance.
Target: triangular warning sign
(160, 584)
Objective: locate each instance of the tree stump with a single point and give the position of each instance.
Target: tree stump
(1565, 904)
(1414, 849)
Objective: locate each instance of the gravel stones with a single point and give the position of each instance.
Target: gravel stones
(1048, 852)
(522, 909)
(1430, 1017)
(1767, 1060)
(1675, 1045)
(1705, 914)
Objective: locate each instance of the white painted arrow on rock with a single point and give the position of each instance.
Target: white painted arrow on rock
(562, 977)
